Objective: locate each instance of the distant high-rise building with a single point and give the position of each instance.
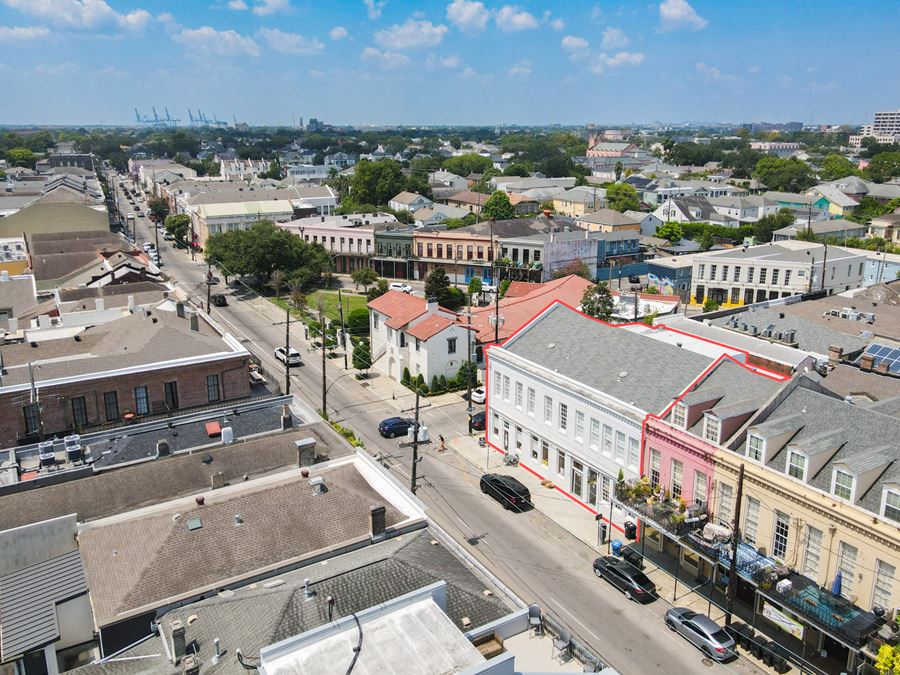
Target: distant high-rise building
(772, 126)
(315, 125)
(885, 128)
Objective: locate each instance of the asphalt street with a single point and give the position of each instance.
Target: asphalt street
(532, 555)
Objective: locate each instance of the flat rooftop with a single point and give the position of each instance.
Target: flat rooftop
(787, 252)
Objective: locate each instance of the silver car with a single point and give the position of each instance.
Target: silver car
(702, 632)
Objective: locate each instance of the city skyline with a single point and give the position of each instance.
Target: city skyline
(459, 62)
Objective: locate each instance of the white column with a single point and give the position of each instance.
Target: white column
(50, 658)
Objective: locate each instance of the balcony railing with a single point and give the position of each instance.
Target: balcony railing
(674, 516)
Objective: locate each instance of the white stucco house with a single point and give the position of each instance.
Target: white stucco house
(408, 332)
(409, 201)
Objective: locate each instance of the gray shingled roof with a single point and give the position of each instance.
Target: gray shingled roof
(595, 354)
(821, 422)
(148, 560)
(253, 617)
(28, 600)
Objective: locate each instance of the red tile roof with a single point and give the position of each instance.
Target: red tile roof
(516, 312)
(519, 288)
(429, 327)
(400, 308)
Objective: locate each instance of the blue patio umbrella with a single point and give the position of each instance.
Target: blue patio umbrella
(837, 583)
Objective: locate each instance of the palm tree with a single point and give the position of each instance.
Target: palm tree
(276, 281)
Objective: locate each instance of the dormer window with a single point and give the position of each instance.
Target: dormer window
(891, 506)
(843, 484)
(796, 464)
(711, 429)
(679, 415)
(755, 447)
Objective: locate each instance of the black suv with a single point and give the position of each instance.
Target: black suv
(627, 578)
(219, 300)
(506, 490)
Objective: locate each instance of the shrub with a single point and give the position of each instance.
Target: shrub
(405, 378)
(435, 384)
(443, 383)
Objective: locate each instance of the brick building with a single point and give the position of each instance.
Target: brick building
(149, 362)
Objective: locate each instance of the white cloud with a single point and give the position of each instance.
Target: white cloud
(604, 62)
(472, 75)
(467, 15)
(613, 38)
(510, 18)
(374, 8)
(385, 59)
(206, 41)
(265, 7)
(17, 33)
(55, 68)
(754, 69)
(290, 43)
(237, 5)
(338, 33)
(435, 61)
(555, 24)
(412, 34)
(709, 73)
(573, 43)
(677, 14)
(521, 70)
(80, 13)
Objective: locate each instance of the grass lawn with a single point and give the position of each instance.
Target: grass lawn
(330, 298)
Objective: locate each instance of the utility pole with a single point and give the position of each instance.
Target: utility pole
(287, 348)
(824, 264)
(343, 329)
(322, 334)
(35, 401)
(470, 407)
(735, 539)
(209, 285)
(414, 444)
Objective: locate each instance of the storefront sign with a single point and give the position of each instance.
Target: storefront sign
(783, 621)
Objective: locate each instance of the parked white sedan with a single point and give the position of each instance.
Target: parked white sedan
(400, 286)
(479, 395)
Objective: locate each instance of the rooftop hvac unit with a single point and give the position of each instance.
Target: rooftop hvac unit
(74, 453)
(227, 435)
(714, 532)
(754, 330)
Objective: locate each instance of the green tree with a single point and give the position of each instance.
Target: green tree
(786, 175)
(264, 248)
(619, 169)
(405, 377)
(836, 166)
(454, 299)
(178, 226)
(670, 231)
(474, 287)
(468, 372)
(706, 240)
(710, 305)
(435, 385)
(622, 197)
(517, 169)
(437, 284)
(883, 167)
(765, 226)
(20, 157)
(597, 301)
(463, 165)
(504, 286)
(365, 277)
(377, 290)
(358, 322)
(498, 207)
(159, 209)
(362, 355)
(376, 182)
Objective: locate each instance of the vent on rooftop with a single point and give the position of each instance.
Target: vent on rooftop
(194, 524)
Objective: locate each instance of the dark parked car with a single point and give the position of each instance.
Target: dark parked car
(624, 576)
(395, 426)
(634, 279)
(506, 490)
(478, 421)
(702, 632)
(219, 300)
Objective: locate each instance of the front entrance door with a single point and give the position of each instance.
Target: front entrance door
(506, 436)
(592, 487)
(605, 488)
(545, 453)
(577, 478)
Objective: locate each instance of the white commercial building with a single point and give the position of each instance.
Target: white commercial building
(885, 129)
(569, 394)
(747, 274)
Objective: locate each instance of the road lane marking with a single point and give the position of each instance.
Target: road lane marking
(574, 618)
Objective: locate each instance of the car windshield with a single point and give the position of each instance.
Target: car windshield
(721, 637)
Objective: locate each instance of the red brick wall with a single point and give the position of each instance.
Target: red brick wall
(56, 405)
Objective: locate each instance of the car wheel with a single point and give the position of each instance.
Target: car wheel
(598, 573)
(670, 625)
(707, 652)
(483, 488)
(507, 505)
(628, 595)
(391, 434)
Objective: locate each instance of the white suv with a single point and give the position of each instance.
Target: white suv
(400, 286)
(292, 357)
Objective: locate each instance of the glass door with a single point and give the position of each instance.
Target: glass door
(592, 487)
(605, 488)
(577, 478)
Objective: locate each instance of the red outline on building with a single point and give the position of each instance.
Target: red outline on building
(659, 416)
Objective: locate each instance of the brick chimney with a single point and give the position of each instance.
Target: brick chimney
(882, 368)
(377, 522)
(866, 361)
(190, 665)
(834, 356)
(176, 628)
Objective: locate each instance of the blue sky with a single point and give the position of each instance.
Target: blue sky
(449, 61)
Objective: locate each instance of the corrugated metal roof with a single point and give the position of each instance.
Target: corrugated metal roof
(28, 599)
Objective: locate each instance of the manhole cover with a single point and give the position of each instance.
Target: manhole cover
(707, 662)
